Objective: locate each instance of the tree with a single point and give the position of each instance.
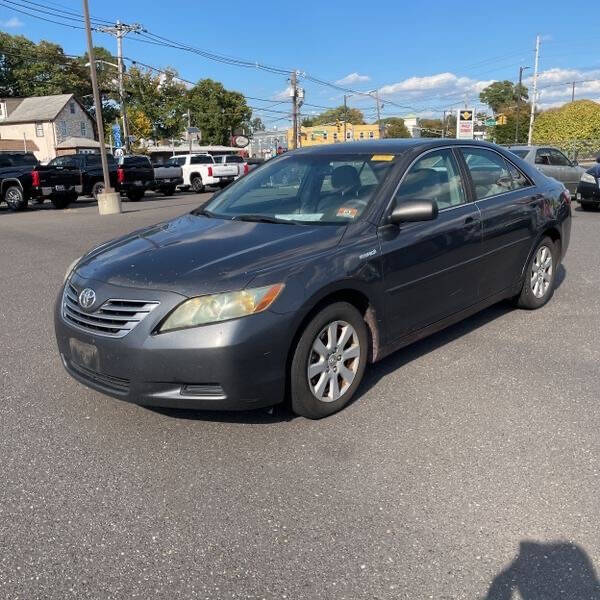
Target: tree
(217, 112)
(351, 115)
(256, 124)
(395, 128)
(503, 94)
(573, 127)
(505, 134)
(140, 124)
(30, 69)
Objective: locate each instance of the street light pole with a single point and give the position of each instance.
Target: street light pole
(345, 114)
(534, 98)
(521, 69)
(111, 203)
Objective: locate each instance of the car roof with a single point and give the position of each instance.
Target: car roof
(390, 146)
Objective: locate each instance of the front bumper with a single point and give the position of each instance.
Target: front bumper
(234, 365)
(589, 192)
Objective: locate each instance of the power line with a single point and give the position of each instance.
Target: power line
(41, 18)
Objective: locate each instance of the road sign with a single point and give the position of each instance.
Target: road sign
(465, 120)
(193, 130)
(241, 141)
(490, 122)
(117, 135)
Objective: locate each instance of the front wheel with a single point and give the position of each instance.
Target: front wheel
(97, 189)
(136, 195)
(329, 361)
(61, 202)
(588, 206)
(168, 191)
(540, 276)
(15, 198)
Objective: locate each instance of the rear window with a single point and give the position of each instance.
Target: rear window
(18, 160)
(234, 159)
(136, 161)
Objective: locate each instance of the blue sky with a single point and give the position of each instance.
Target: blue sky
(423, 58)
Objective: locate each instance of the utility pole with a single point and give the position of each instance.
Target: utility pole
(521, 69)
(444, 125)
(120, 30)
(345, 114)
(294, 83)
(381, 132)
(109, 201)
(189, 127)
(534, 97)
(573, 92)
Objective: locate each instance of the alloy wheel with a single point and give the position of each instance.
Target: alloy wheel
(541, 272)
(13, 198)
(333, 361)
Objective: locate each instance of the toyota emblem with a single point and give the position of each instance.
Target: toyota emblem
(87, 297)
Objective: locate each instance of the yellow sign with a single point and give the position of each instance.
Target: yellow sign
(466, 115)
(382, 157)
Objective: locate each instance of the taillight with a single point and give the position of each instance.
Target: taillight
(35, 178)
(245, 168)
(210, 171)
(120, 175)
(567, 196)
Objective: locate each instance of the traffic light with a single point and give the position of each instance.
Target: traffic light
(500, 119)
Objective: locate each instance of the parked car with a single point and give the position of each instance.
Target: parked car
(22, 178)
(233, 159)
(200, 170)
(588, 190)
(551, 162)
(131, 175)
(297, 286)
(167, 177)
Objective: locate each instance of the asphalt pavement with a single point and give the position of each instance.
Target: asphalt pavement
(468, 467)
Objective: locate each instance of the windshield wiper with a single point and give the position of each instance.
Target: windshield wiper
(262, 219)
(203, 212)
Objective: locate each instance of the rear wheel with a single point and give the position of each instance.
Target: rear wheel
(15, 198)
(97, 189)
(197, 184)
(329, 361)
(540, 276)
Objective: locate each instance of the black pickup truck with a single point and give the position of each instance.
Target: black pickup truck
(131, 175)
(22, 178)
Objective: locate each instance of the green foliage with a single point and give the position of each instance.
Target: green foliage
(431, 128)
(395, 128)
(256, 124)
(505, 134)
(29, 69)
(503, 94)
(216, 111)
(329, 117)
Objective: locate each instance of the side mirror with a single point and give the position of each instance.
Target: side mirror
(575, 163)
(414, 210)
(598, 158)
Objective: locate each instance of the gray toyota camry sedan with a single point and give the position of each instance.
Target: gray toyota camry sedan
(294, 278)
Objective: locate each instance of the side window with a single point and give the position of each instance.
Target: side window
(542, 156)
(435, 176)
(489, 172)
(519, 180)
(558, 159)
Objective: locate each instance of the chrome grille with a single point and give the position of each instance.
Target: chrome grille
(115, 318)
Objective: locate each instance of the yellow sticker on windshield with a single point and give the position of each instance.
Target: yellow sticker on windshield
(382, 157)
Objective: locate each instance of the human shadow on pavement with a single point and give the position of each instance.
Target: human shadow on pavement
(547, 571)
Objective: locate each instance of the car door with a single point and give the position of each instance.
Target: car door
(507, 201)
(430, 268)
(569, 174)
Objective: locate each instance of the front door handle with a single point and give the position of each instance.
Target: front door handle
(469, 220)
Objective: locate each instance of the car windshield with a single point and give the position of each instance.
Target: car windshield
(305, 188)
(520, 153)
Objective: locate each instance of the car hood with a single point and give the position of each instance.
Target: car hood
(195, 255)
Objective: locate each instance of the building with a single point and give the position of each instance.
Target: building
(265, 144)
(332, 134)
(411, 122)
(47, 125)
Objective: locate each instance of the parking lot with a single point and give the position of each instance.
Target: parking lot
(467, 467)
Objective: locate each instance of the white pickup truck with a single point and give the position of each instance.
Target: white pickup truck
(233, 159)
(200, 170)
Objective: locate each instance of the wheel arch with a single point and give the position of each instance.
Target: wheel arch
(553, 232)
(6, 183)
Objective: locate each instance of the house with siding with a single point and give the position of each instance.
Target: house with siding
(48, 126)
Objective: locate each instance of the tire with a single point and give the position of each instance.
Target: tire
(98, 188)
(589, 206)
(533, 296)
(326, 364)
(197, 184)
(135, 195)
(61, 202)
(169, 191)
(15, 198)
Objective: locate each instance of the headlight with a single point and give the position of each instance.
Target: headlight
(587, 178)
(71, 267)
(220, 307)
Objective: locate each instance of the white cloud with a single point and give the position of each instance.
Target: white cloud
(12, 23)
(353, 78)
(283, 94)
